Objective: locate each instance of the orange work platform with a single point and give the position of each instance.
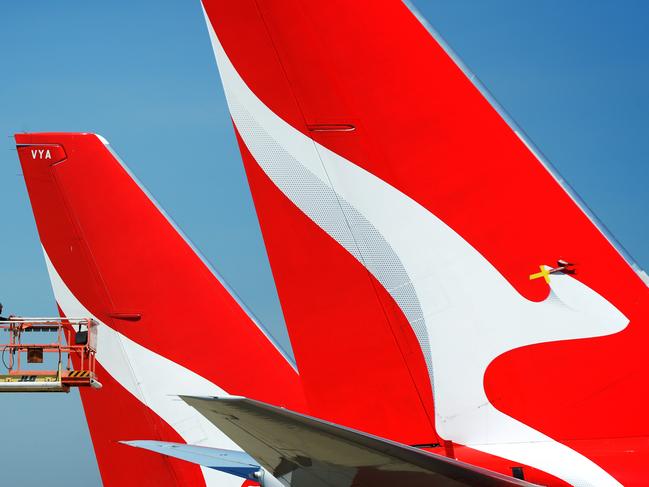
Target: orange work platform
(26, 359)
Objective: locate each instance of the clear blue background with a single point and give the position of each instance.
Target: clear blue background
(574, 74)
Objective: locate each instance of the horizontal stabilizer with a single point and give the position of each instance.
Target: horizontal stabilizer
(302, 451)
(236, 463)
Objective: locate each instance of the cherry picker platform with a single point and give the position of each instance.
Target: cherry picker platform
(74, 343)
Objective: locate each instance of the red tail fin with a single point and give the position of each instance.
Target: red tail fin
(168, 324)
(412, 234)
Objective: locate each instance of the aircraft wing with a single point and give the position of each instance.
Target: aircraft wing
(302, 451)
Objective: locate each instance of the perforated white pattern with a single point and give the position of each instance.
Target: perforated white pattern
(337, 217)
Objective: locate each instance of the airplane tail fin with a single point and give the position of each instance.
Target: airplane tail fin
(412, 234)
(167, 323)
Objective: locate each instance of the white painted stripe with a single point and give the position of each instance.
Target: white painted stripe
(154, 380)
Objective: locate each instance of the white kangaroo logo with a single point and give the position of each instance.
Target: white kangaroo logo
(470, 314)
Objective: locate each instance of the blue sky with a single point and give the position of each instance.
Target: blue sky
(573, 74)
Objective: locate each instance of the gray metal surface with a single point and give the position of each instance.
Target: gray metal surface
(302, 451)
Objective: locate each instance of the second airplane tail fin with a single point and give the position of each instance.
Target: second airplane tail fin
(167, 324)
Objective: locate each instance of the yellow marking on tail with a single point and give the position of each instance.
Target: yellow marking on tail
(545, 274)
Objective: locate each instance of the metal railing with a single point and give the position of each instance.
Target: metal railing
(74, 347)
